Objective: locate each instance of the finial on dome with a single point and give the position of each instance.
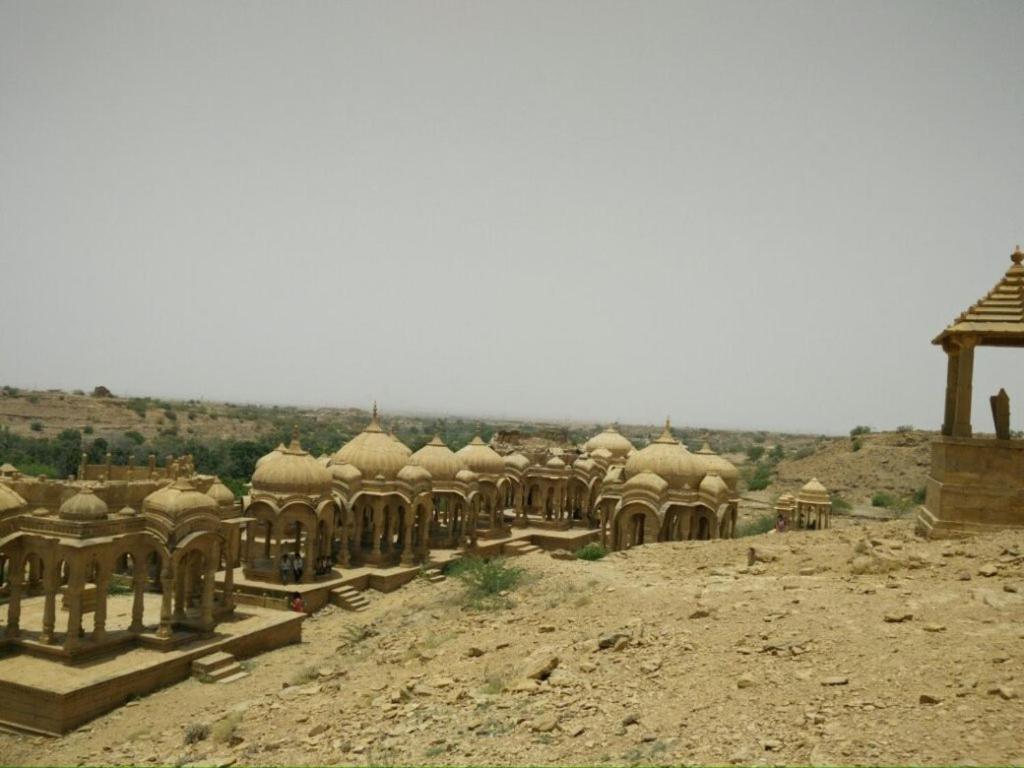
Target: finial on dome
(295, 431)
(1017, 257)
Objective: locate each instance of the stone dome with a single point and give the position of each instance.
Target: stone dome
(554, 463)
(10, 500)
(178, 499)
(404, 448)
(813, 492)
(712, 462)
(612, 441)
(648, 481)
(293, 471)
(84, 506)
(220, 493)
(786, 501)
(602, 454)
(438, 459)
(411, 473)
(345, 473)
(669, 460)
(270, 456)
(466, 476)
(481, 458)
(374, 452)
(517, 461)
(713, 485)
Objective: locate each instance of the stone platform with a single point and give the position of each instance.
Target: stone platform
(47, 696)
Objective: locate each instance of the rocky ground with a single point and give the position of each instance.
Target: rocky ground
(859, 645)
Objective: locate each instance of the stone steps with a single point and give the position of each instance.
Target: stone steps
(218, 667)
(434, 575)
(516, 548)
(349, 599)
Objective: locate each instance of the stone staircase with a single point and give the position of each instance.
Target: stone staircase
(218, 667)
(434, 575)
(515, 548)
(349, 598)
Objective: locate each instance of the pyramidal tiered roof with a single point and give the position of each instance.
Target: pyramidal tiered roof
(998, 318)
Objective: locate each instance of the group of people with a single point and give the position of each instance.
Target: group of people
(292, 565)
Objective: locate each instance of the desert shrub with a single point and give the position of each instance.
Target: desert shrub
(755, 452)
(777, 453)
(34, 399)
(170, 415)
(11, 391)
(138, 405)
(592, 551)
(224, 729)
(36, 426)
(761, 478)
(839, 504)
(860, 430)
(135, 437)
(919, 495)
(905, 428)
(195, 732)
(88, 429)
(119, 588)
(305, 675)
(803, 453)
(856, 445)
(35, 469)
(754, 527)
(485, 580)
(881, 499)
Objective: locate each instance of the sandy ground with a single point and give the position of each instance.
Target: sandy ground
(860, 645)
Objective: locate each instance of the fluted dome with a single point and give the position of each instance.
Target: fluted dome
(786, 501)
(293, 471)
(669, 460)
(813, 492)
(270, 456)
(374, 452)
(517, 461)
(647, 481)
(713, 485)
(220, 493)
(345, 473)
(466, 476)
(178, 499)
(602, 454)
(438, 459)
(612, 441)
(402, 446)
(84, 506)
(554, 463)
(411, 473)
(481, 458)
(10, 501)
(712, 462)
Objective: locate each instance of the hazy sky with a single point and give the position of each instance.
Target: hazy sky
(750, 214)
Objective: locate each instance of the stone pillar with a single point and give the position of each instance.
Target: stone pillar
(51, 583)
(952, 372)
(74, 598)
(14, 580)
(408, 555)
(138, 597)
(180, 596)
(99, 617)
(167, 585)
(376, 526)
(965, 374)
(206, 601)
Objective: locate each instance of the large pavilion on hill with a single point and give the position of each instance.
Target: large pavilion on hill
(977, 482)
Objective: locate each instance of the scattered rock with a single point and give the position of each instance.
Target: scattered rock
(898, 617)
(540, 664)
(651, 666)
(563, 554)
(1003, 691)
(771, 745)
(475, 651)
(835, 681)
(761, 555)
(934, 627)
(621, 643)
(546, 628)
(745, 681)
(631, 718)
(964, 576)
(317, 729)
(927, 698)
(701, 613)
(988, 570)
(610, 639)
(544, 723)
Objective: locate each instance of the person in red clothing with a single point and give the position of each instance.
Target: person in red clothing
(296, 603)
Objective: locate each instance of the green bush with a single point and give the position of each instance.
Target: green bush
(34, 399)
(88, 429)
(777, 453)
(754, 527)
(881, 499)
(905, 428)
(856, 445)
(755, 452)
(839, 504)
(135, 437)
(860, 430)
(485, 580)
(761, 478)
(170, 414)
(592, 551)
(919, 495)
(803, 453)
(36, 426)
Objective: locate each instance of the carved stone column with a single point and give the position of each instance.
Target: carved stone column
(965, 374)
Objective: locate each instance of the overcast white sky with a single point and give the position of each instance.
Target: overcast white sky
(746, 214)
